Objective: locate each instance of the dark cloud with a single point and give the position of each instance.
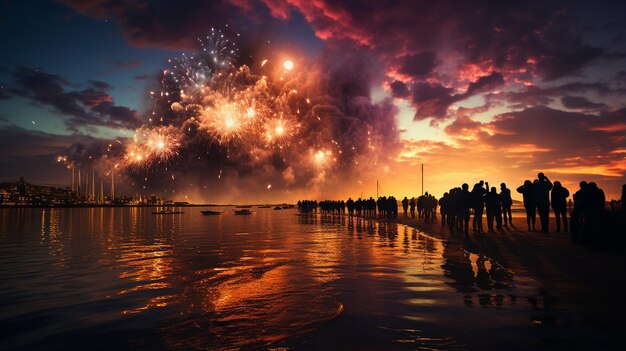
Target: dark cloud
(399, 89)
(432, 100)
(419, 65)
(485, 84)
(171, 24)
(86, 108)
(539, 36)
(534, 95)
(581, 103)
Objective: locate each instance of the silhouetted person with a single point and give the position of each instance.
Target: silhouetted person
(477, 197)
(597, 200)
(405, 206)
(350, 204)
(443, 209)
(581, 206)
(558, 201)
(529, 203)
(507, 202)
(542, 196)
(412, 204)
(463, 204)
(494, 206)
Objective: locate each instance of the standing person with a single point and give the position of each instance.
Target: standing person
(494, 205)
(558, 201)
(463, 204)
(529, 203)
(507, 202)
(405, 206)
(412, 206)
(581, 207)
(350, 205)
(443, 208)
(477, 197)
(542, 194)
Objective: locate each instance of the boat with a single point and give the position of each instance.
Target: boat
(209, 212)
(278, 208)
(166, 212)
(243, 206)
(243, 212)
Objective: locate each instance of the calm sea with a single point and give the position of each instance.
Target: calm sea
(123, 278)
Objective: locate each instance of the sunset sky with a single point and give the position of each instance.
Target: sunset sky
(492, 90)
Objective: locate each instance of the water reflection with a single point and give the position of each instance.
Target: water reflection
(270, 280)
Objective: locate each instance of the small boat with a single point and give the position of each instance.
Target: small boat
(243, 212)
(209, 212)
(243, 206)
(166, 212)
(286, 207)
(278, 208)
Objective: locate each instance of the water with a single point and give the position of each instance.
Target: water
(124, 278)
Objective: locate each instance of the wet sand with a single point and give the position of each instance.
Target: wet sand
(594, 282)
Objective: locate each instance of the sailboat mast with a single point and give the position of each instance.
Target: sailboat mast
(422, 179)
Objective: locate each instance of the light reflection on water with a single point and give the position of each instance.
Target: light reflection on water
(124, 278)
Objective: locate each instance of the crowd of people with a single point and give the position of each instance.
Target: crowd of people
(384, 207)
(459, 204)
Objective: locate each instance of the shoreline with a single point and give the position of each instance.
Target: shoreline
(594, 282)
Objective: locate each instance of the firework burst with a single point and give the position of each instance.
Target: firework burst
(152, 145)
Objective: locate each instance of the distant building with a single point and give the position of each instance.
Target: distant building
(22, 186)
(22, 193)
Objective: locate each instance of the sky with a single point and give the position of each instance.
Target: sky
(471, 90)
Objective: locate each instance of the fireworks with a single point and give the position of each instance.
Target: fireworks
(267, 117)
(233, 106)
(152, 145)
